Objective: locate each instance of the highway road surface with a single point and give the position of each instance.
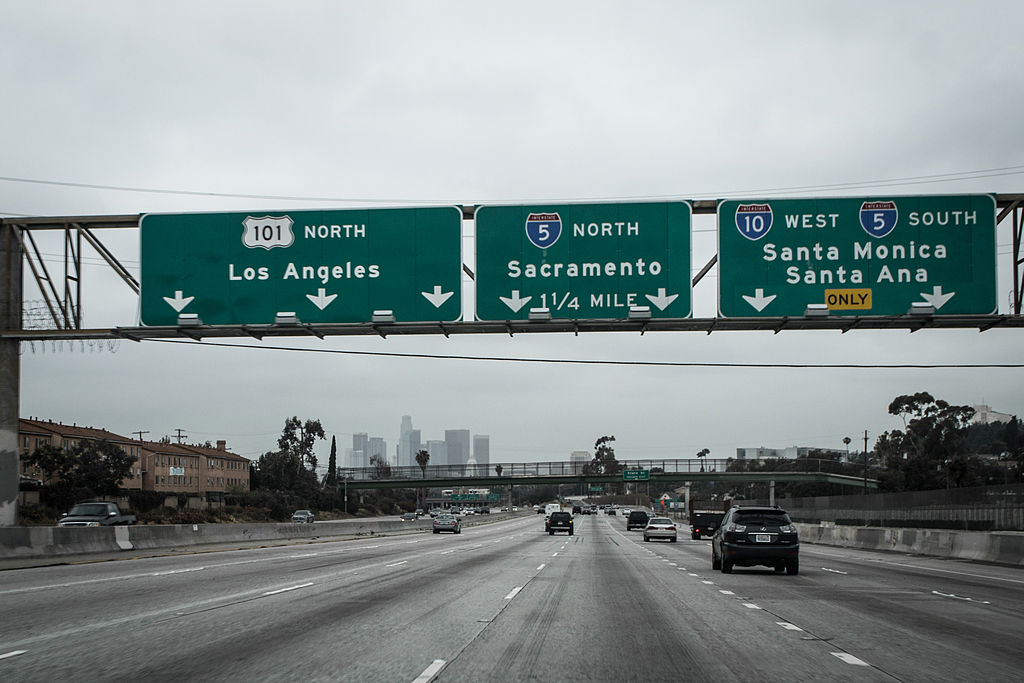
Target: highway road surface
(507, 602)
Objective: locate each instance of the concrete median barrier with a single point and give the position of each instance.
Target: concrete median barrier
(1004, 547)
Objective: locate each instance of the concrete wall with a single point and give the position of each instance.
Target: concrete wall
(46, 542)
(1004, 547)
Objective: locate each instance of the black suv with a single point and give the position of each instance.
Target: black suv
(637, 520)
(559, 521)
(750, 536)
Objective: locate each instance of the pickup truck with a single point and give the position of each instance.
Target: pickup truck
(96, 513)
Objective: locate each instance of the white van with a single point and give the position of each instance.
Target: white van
(551, 507)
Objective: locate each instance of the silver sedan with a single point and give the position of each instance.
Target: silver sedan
(660, 527)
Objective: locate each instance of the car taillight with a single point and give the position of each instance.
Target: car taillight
(733, 526)
(671, 528)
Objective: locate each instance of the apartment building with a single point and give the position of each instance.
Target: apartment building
(167, 467)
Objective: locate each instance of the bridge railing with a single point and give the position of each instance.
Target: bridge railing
(563, 468)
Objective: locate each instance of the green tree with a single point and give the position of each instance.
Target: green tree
(422, 458)
(90, 468)
(381, 468)
(604, 461)
(932, 451)
(286, 468)
(332, 464)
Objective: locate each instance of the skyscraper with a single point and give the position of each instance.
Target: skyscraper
(408, 443)
(360, 445)
(482, 449)
(458, 446)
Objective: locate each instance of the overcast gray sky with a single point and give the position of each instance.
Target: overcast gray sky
(217, 106)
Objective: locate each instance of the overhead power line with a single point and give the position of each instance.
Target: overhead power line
(861, 184)
(629, 363)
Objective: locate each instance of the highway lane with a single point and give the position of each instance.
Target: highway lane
(506, 602)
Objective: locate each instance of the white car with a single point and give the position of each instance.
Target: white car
(660, 527)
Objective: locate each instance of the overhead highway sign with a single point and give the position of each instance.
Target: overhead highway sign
(857, 256)
(583, 261)
(316, 266)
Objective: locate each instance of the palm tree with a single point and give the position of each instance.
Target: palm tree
(422, 458)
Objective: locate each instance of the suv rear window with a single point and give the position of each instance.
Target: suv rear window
(560, 516)
(763, 518)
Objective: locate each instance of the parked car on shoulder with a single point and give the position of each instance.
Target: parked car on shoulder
(660, 527)
(755, 535)
(302, 517)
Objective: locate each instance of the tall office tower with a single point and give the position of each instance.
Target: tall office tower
(415, 446)
(458, 446)
(405, 452)
(578, 460)
(360, 446)
(482, 449)
(438, 452)
(377, 446)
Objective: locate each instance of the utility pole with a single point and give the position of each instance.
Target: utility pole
(181, 434)
(140, 433)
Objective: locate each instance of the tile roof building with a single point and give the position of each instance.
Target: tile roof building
(168, 467)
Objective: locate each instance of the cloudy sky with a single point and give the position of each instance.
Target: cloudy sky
(113, 108)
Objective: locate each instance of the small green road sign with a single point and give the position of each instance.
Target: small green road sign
(583, 261)
(321, 266)
(636, 475)
(857, 256)
(596, 487)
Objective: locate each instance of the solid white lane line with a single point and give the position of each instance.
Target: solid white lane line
(12, 653)
(850, 659)
(788, 626)
(960, 597)
(290, 588)
(431, 671)
(541, 567)
(512, 593)
(397, 564)
(834, 571)
(750, 605)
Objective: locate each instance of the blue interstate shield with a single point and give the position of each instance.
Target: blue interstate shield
(754, 220)
(878, 218)
(543, 229)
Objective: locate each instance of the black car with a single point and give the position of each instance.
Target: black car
(560, 521)
(752, 536)
(637, 520)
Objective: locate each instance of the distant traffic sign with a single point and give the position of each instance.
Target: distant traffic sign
(323, 266)
(857, 256)
(583, 261)
(636, 475)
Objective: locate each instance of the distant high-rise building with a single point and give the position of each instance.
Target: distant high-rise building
(360, 446)
(578, 459)
(408, 443)
(377, 446)
(458, 446)
(438, 451)
(482, 449)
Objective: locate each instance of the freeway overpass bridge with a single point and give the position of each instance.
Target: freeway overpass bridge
(805, 470)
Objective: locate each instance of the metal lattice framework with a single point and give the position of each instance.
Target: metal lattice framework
(62, 296)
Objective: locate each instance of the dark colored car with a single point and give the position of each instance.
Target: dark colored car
(752, 536)
(637, 520)
(560, 521)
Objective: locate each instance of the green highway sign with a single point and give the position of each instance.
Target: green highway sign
(583, 261)
(596, 487)
(857, 256)
(636, 475)
(323, 266)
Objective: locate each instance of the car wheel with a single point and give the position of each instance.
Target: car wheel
(695, 537)
(715, 562)
(646, 539)
(673, 539)
(550, 532)
(780, 567)
(436, 531)
(793, 567)
(726, 566)
(570, 533)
